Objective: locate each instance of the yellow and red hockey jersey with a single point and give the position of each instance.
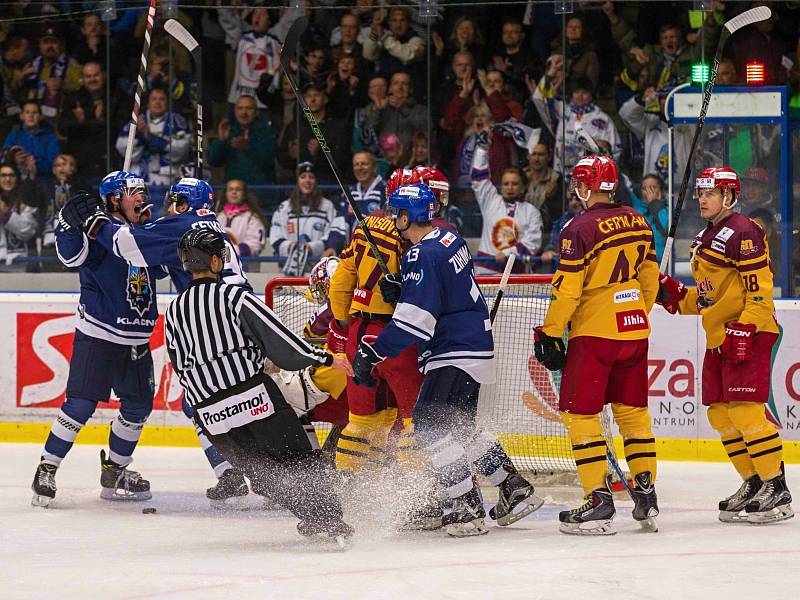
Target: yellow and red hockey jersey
(732, 270)
(607, 280)
(354, 286)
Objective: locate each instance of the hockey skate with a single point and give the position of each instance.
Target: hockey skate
(771, 504)
(119, 483)
(44, 485)
(467, 517)
(336, 530)
(516, 498)
(593, 517)
(730, 509)
(645, 501)
(231, 486)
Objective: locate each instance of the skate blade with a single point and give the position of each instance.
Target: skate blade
(233, 503)
(594, 528)
(530, 504)
(649, 525)
(777, 514)
(728, 516)
(469, 529)
(41, 501)
(122, 496)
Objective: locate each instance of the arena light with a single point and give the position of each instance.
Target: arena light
(700, 73)
(756, 75)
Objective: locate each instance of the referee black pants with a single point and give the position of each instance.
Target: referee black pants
(275, 454)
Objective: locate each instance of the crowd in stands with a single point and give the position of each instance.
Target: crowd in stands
(507, 79)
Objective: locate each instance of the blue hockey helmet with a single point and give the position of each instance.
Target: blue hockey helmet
(416, 199)
(118, 182)
(197, 193)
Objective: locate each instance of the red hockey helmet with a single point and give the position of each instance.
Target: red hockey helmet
(437, 182)
(723, 178)
(399, 178)
(598, 173)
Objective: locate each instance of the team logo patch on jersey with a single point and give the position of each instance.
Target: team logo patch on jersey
(724, 234)
(566, 246)
(505, 233)
(747, 247)
(631, 320)
(202, 212)
(139, 291)
(447, 239)
(718, 246)
(631, 295)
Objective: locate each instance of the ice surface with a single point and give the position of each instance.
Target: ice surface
(89, 548)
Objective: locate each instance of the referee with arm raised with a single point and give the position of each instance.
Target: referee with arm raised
(218, 337)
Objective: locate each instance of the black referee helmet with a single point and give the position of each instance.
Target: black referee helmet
(197, 246)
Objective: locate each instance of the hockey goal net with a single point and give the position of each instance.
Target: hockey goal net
(522, 406)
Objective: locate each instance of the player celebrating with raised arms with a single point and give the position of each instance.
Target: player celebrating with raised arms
(733, 296)
(116, 315)
(603, 290)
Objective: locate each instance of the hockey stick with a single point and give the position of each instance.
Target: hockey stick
(137, 98)
(290, 45)
(178, 31)
(754, 15)
(501, 290)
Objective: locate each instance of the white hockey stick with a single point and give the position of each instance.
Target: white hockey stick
(748, 17)
(137, 98)
(502, 287)
(178, 31)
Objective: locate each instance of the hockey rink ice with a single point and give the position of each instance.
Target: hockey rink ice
(89, 548)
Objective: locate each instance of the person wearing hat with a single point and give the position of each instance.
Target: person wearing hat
(54, 72)
(582, 114)
(302, 221)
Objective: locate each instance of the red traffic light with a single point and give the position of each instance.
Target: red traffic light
(755, 73)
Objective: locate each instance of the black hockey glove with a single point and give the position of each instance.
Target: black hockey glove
(550, 351)
(391, 285)
(84, 212)
(365, 360)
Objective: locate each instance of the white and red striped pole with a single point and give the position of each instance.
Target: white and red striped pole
(137, 99)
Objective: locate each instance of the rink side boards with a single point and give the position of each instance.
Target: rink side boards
(37, 330)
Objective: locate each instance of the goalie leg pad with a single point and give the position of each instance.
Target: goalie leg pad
(588, 448)
(637, 434)
(763, 441)
(732, 440)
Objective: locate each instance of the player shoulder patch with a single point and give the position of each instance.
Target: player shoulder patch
(447, 239)
(724, 234)
(204, 212)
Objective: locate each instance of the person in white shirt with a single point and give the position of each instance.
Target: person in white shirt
(510, 225)
(239, 213)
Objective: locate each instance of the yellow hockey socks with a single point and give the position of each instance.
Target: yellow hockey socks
(732, 440)
(637, 437)
(761, 438)
(588, 448)
(361, 441)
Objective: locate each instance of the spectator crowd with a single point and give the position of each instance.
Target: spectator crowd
(389, 88)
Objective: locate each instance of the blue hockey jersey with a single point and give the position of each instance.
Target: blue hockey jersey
(441, 309)
(157, 244)
(118, 299)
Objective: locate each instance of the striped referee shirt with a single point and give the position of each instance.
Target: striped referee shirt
(218, 335)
